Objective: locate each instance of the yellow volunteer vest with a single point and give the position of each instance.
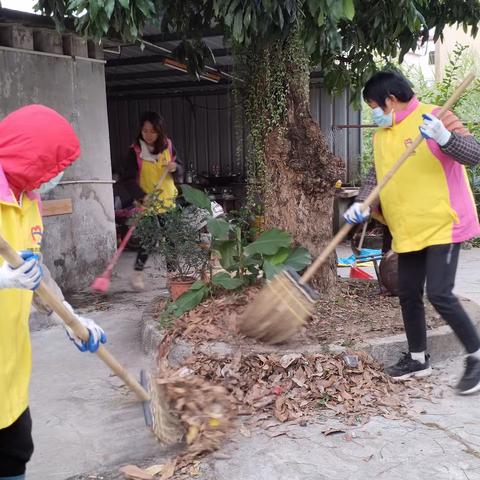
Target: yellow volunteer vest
(150, 174)
(22, 227)
(416, 201)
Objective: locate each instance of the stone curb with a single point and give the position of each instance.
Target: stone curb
(442, 342)
(150, 331)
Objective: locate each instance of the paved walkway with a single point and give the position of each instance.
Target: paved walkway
(85, 421)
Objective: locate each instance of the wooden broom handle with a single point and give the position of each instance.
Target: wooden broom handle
(343, 232)
(15, 260)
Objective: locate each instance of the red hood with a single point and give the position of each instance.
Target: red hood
(36, 144)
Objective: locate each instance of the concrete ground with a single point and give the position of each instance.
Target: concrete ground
(84, 418)
(440, 442)
(85, 422)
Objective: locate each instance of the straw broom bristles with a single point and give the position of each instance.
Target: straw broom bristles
(280, 309)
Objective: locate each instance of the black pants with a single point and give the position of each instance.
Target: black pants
(437, 265)
(142, 255)
(16, 446)
(141, 260)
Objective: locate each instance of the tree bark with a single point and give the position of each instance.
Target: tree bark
(301, 174)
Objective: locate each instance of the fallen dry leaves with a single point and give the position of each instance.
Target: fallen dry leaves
(205, 409)
(295, 385)
(206, 393)
(356, 311)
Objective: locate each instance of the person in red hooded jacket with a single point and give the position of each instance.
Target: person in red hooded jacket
(36, 146)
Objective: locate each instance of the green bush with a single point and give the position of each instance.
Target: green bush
(244, 262)
(173, 236)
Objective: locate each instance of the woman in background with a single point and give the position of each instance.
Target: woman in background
(148, 157)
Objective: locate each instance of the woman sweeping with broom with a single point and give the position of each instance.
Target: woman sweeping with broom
(148, 157)
(36, 146)
(429, 209)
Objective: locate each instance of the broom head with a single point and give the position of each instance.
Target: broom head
(279, 310)
(158, 415)
(101, 284)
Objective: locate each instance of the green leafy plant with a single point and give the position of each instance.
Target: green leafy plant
(244, 263)
(173, 236)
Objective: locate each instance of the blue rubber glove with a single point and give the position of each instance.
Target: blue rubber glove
(433, 129)
(96, 334)
(27, 276)
(355, 214)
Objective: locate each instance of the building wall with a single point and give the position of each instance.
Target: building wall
(334, 114)
(77, 245)
(209, 132)
(423, 59)
(452, 36)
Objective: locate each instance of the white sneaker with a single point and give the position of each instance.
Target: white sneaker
(137, 282)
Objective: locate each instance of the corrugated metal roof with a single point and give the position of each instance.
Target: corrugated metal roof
(135, 69)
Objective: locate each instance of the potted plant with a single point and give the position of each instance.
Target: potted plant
(174, 237)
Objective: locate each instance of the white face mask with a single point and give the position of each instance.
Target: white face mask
(383, 120)
(50, 185)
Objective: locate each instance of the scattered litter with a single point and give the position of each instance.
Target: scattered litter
(245, 431)
(133, 472)
(276, 391)
(155, 469)
(351, 360)
(332, 431)
(309, 383)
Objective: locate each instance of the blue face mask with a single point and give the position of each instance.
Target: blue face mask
(383, 120)
(50, 185)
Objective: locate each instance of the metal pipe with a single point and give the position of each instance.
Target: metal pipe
(79, 182)
(353, 126)
(156, 47)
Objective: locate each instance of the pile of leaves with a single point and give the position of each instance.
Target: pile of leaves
(356, 312)
(294, 386)
(208, 393)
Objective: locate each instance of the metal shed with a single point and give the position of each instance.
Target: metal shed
(203, 118)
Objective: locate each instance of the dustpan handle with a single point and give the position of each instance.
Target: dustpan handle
(360, 244)
(48, 297)
(372, 197)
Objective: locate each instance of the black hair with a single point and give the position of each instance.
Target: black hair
(385, 83)
(158, 124)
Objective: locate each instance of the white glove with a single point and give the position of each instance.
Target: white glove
(355, 214)
(433, 128)
(27, 276)
(96, 334)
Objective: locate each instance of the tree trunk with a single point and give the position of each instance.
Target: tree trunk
(301, 172)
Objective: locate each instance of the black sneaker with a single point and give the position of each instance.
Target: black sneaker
(470, 382)
(408, 368)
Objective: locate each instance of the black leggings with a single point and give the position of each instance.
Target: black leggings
(437, 265)
(142, 255)
(16, 446)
